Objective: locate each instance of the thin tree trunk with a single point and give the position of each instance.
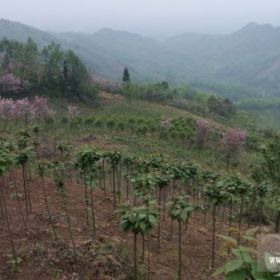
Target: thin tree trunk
(48, 209)
(148, 241)
(149, 257)
(119, 182)
(143, 248)
(277, 223)
(164, 203)
(186, 224)
(213, 234)
(19, 203)
(240, 218)
(114, 188)
(25, 191)
(8, 225)
(1, 206)
(205, 212)
(180, 253)
(261, 213)
(230, 220)
(230, 215)
(171, 228)
(92, 214)
(127, 190)
(127, 183)
(69, 224)
(135, 255)
(228, 159)
(28, 188)
(86, 200)
(104, 178)
(29, 172)
(159, 220)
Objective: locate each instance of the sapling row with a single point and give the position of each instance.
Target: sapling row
(153, 187)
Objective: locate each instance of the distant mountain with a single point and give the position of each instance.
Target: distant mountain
(108, 52)
(21, 32)
(247, 61)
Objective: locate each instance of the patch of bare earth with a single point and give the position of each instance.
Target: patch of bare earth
(44, 259)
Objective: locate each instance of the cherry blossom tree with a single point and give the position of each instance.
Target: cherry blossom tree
(10, 83)
(5, 108)
(203, 129)
(233, 141)
(25, 108)
(40, 108)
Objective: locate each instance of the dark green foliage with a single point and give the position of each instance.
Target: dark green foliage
(126, 76)
(87, 159)
(137, 219)
(111, 124)
(180, 208)
(51, 68)
(220, 106)
(271, 160)
(152, 92)
(99, 123)
(75, 74)
(89, 121)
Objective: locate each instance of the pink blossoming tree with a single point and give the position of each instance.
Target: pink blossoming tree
(233, 141)
(25, 109)
(203, 129)
(40, 108)
(10, 83)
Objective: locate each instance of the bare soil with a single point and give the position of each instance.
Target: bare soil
(43, 259)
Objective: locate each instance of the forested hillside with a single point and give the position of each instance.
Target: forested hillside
(26, 69)
(246, 61)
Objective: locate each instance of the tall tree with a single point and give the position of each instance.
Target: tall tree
(53, 58)
(75, 74)
(30, 69)
(126, 76)
(233, 141)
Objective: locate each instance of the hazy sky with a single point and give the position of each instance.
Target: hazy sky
(162, 17)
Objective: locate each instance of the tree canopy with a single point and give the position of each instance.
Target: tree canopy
(23, 66)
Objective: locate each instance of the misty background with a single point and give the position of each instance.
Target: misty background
(158, 18)
(225, 47)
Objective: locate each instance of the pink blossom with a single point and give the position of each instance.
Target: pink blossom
(203, 129)
(24, 108)
(40, 107)
(9, 82)
(6, 108)
(233, 141)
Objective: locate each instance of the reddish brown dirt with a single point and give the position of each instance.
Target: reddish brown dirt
(196, 242)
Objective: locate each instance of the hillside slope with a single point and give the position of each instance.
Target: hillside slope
(248, 58)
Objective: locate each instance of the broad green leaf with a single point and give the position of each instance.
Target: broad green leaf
(241, 274)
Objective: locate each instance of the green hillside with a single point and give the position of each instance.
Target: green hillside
(248, 60)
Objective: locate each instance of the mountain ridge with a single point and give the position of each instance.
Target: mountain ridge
(249, 57)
